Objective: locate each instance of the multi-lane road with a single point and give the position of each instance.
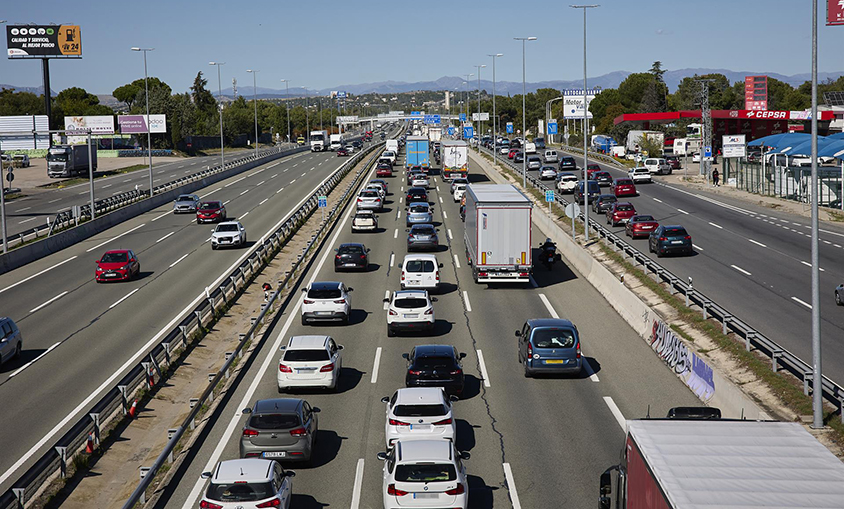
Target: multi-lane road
(543, 442)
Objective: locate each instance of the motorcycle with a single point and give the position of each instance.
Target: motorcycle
(549, 255)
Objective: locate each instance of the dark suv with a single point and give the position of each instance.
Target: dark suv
(567, 163)
(435, 366)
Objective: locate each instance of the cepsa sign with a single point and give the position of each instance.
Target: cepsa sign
(43, 41)
(834, 12)
(767, 114)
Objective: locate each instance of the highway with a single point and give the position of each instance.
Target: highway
(753, 260)
(533, 442)
(80, 335)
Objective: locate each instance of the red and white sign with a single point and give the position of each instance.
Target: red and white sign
(767, 114)
(834, 12)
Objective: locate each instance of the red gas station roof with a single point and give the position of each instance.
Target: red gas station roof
(670, 116)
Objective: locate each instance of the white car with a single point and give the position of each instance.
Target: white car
(425, 473)
(419, 413)
(547, 173)
(389, 154)
(310, 361)
(640, 175)
(657, 166)
(378, 188)
(369, 199)
(410, 310)
(228, 233)
(459, 191)
(420, 180)
(696, 157)
(364, 220)
(327, 300)
(247, 484)
(420, 271)
(456, 181)
(567, 183)
(505, 149)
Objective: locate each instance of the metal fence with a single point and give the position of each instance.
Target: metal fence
(787, 182)
(116, 403)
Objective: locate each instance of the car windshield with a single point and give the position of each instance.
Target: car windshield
(675, 232)
(419, 266)
(422, 231)
(643, 218)
(626, 208)
(362, 215)
(420, 410)
(209, 205)
(351, 249)
(273, 421)
(425, 473)
(369, 194)
(114, 258)
(410, 303)
(240, 492)
(553, 338)
(609, 199)
(324, 293)
(434, 362)
(226, 227)
(569, 178)
(185, 197)
(306, 355)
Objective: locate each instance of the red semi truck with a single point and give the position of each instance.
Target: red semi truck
(703, 461)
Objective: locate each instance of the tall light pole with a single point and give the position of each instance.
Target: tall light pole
(524, 114)
(146, 96)
(255, 100)
(478, 135)
(466, 94)
(3, 198)
(817, 374)
(307, 116)
(287, 108)
(585, 127)
(494, 116)
(220, 92)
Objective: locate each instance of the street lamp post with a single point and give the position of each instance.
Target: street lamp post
(307, 116)
(146, 96)
(817, 374)
(255, 100)
(479, 106)
(524, 114)
(220, 92)
(585, 128)
(466, 96)
(548, 110)
(287, 108)
(494, 116)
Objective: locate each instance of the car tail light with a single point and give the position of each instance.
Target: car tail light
(249, 432)
(276, 503)
(341, 301)
(459, 490)
(253, 455)
(363, 257)
(391, 490)
(284, 369)
(687, 237)
(482, 274)
(327, 368)
(299, 432)
(394, 422)
(336, 257)
(402, 276)
(393, 313)
(530, 350)
(577, 349)
(456, 372)
(308, 301)
(209, 505)
(523, 274)
(429, 311)
(414, 372)
(359, 200)
(443, 422)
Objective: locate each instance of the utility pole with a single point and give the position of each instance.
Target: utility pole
(817, 373)
(494, 115)
(478, 134)
(706, 126)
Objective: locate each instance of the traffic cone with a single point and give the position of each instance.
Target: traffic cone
(133, 410)
(151, 380)
(89, 447)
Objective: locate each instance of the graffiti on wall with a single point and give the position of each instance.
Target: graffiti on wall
(693, 370)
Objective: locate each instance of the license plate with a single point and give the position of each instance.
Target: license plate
(413, 283)
(349, 265)
(414, 315)
(647, 227)
(111, 274)
(555, 361)
(426, 496)
(676, 241)
(305, 371)
(279, 454)
(422, 427)
(322, 313)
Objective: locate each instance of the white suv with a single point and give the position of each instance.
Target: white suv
(410, 310)
(310, 361)
(328, 300)
(567, 183)
(459, 191)
(419, 413)
(248, 483)
(228, 233)
(428, 472)
(640, 175)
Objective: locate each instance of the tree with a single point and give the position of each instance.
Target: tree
(126, 94)
(20, 103)
(657, 71)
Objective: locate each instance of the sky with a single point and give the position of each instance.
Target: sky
(328, 43)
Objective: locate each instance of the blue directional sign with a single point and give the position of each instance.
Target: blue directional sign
(509, 127)
(552, 128)
(468, 132)
(451, 131)
(431, 119)
(322, 201)
(707, 151)
(462, 117)
(416, 113)
(549, 195)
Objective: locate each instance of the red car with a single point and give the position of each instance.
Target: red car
(624, 187)
(512, 153)
(117, 265)
(383, 171)
(640, 226)
(620, 212)
(591, 170)
(210, 212)
(342, 152)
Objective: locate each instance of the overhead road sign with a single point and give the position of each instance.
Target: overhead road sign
(416, 113)
(43, 41)
(468, 132)
(431, 119)
(480, 117)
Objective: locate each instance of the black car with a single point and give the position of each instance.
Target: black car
(415, 194)
(351, 256)
(435, 366)
(568, 163)
(594, 191)
(604, 178)
(604, 202)
(519, 157)
(669, 239)
(357, 144)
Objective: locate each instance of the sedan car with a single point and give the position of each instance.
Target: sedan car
(534, 163)
(369, 199)
(420, 180)
(409, 310)
(310, 361)
(342, 152)
(639, 175)
(603, 202)
(547, 173)
(640, 226)
(620, 212)
(328, 300)
(428, 472)
(210, 212)
(185, 203)
(364, 221)
(228, 233)
(248, 483)
(419, 213)
(604, 178)
(624, 187)
(384, 170)
(422, 236)
(117, 265)
(416, 194)
(419, 413)
(566, 182)
(351, 256)
(282, 428)
(549, 345)
(667, 239)
(435, 366)
(512, 153)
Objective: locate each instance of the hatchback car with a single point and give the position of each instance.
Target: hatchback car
(435, 366)
(281, 428)
(420, 180)
(409, 310)
(624, 187)
(591, 170)
(422, 236)
(185, 203)
(117, 265)
(228, 233)
(369, 199)
(382, 183)
(384, 170)
(248, 484)
(455, 182)
(419, 213)
(640, 226)
(567, 182)
(512, 153)
(547, 173)
(604, 178)
(567, 163)
(364, 221)
(342, 152)
(549, 345)
(419, 413)
(534, 163)
(210, 212)
(459, 192)
(310, 361)
(328, 300)
(639, 175)
(11, 341)
(424, 473)
(594, 191)
(519, 157)
(603, 202)
(667, 239)
(378, 188)
(416, 194)
(620, 212)
(351, 256)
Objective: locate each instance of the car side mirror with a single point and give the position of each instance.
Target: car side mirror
(453, 398)
(213, 230)
(462, 355)
(368, 250)
(381, 456)
(464, 455)
(336, 250)
(316, 409)
(340, 347)
(405, 356)
(385, 399)
(350, 289)
(205, 475)
(434, 299)
(96, 261)
(247, 410)
(441, 265)
(304, 290)
(518, 333)
(289, 473)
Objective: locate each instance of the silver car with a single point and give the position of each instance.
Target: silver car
(422, 236)
(11, 343)
(534, 162)
(186, 203)
(419, 213)
(369, 199)
(281, 428)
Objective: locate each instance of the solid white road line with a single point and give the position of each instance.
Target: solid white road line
(466, 300)
(358, 485)
(211, 192)
(396, 234)
(156, 218)
(657, 200)
(548, 306)
(235, 182)
(757, 243)
(619, 417)
(392, 259)
(113, 238)
(482, 364)
(164, 237)
(27, 220)
(445, 214)
(511, 486)
(795, 299)
(376, 364)
(271, 166)
(716, 226)
(57, 297)
(697, 247)
(21, 210)
(37, 274)
(180, 259)
(450, 236)
(54, 201)
(741, 270)
(33, 361)
(682, 211)
(456, 262)
(124, 298)
(105, 186)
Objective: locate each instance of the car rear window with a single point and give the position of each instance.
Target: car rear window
(626, 208)
(114, 258)
(643, 218)
(306, 355)
(425, 473)
(274, 421)
(623, 182)
(209, 205)
(419, 208)
(420, 410)
(351, 249)
(240, 492)
(419, 266)
(675, 232)
(410, 303)
(369, 194)
(431, 362)
(330, 293)
(553, 338)
(422, 231)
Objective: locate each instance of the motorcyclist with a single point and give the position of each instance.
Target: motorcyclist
(548, 246)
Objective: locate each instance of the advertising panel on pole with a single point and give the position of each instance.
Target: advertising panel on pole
(733, 145)
(834, 12)
(480, 117)
(136, 124)
(43, 41)
(99, 124)
(349, 119)
(33, 131)
(573, 103)
(755, 93)
(540, 127)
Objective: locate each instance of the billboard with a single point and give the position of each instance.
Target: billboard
(756, 93)
(134, 124)
(573, 102)
(40, 41)
(834, 12)
(100, 124)
(733, 145)
(480, 117)
(26, 125)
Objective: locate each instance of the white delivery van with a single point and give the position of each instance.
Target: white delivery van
(420, 271)
(551, 156)
(393, 145)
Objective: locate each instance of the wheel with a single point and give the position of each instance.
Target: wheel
(838, 299)
(304, 322)
(528, 374)
(660, 253)
(213, 247)
(390, 332)
(280, 390)
(345, 320)
(650, 247)
(608, 221)
(18, 348)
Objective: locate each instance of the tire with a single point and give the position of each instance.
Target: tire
(280, 390)
(838, 299)
(19, 347)
(304, 322)
(213, 247)
(345, 320)
(390, 332)
(659, 253)
(528, 374)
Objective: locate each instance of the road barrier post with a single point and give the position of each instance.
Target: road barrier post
(143, 473)
(62, 452)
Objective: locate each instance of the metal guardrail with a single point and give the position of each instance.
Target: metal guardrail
(593, 155)
(116, 403)
(730, 323)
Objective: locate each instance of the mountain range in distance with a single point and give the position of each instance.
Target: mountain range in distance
(455, 83)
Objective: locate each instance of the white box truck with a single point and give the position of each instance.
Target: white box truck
(68, 160)
(393, 146)
(455, 157)
(336, 141)
(435, 134)
(319, 141)
(498, 233)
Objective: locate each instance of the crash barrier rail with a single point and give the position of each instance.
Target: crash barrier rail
(730, 323)
(121, 399)
(66, 219)
(594, 155)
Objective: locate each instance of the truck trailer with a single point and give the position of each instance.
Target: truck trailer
(319, 141)
(69, 160)
(336, 141)
(416, 152)
(455, 157)
(690, 463)
(498, 233)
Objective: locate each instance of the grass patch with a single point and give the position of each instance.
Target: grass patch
(834, 216)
